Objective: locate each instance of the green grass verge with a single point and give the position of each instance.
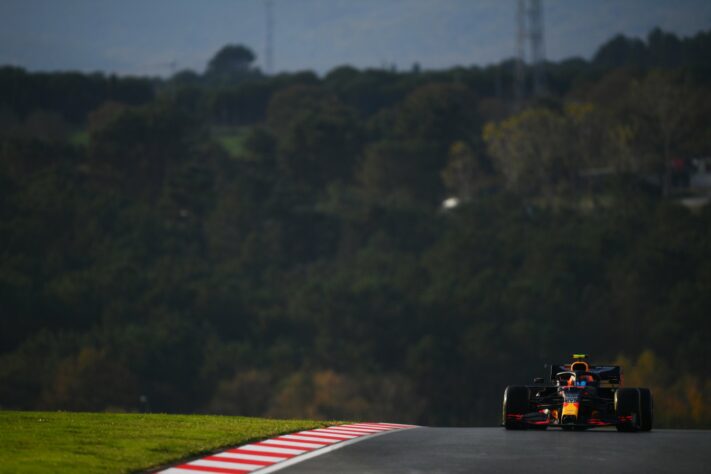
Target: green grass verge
(110, 442)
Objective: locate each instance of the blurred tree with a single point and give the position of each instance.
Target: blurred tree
(438, 113)
(368, 91)
(323, 394)
(231, 63)
(247, 393)
(465, 176)
(243, 104)
(91, 381)
(533, 152)
(665, 49)
(320, 137)
(290, 103)
(402, 172)
(661, 107)
(189, 99)
(621, 51)
(70, 94)
(139, 144)
(9, 123)
(543, 151)
(186, 77)
(103, 115)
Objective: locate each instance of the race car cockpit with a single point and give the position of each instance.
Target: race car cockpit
(577, 379)
(587, 379)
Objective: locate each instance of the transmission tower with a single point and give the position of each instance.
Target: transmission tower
(520, 64)
(529, 27)
(538, 47)
(269, 43)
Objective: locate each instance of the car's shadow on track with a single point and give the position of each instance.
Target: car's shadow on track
(607, 431)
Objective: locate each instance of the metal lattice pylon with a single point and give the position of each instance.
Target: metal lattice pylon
(520, 64)
(538, 47)
(269, 40)
(529, 26)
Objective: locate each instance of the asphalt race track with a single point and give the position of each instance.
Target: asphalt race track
(495, 450)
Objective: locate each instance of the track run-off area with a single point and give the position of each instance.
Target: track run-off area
(495, 450)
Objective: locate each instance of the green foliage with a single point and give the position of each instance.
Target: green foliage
(232, 63)
(466, 174)
(320, 137)
(543, 151)
(70, 94)
(661, 50)
(232, 140)
(402, 172)
(438, 113)
(242, 104)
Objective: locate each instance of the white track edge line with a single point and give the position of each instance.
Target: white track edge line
(326, 449)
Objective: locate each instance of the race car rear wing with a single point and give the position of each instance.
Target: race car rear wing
(608, 373)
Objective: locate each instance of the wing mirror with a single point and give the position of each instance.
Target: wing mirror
(538, 380)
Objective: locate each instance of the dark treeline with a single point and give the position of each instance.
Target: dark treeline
(231, 242)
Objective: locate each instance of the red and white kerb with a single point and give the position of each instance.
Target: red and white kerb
(277, 453)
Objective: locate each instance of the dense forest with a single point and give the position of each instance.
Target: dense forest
(232, 242)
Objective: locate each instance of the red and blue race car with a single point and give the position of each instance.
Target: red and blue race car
(578, 396)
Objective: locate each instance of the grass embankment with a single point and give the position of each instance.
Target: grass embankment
(108, 442)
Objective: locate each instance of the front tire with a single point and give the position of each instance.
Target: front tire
(634, 409)
(646, 409)
(516, 405)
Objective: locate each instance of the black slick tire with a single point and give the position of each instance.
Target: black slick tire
(628, 408)
(516, 405)
(646, 409)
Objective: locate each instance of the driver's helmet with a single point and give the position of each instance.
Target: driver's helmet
(585, 379)
(565, 379)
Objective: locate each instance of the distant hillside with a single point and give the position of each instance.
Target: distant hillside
(276, 246)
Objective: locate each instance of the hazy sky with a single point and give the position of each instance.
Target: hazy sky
(145, 36)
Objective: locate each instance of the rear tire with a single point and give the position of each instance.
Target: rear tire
(516, 405)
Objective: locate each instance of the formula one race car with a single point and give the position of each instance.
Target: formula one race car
(578, 396)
